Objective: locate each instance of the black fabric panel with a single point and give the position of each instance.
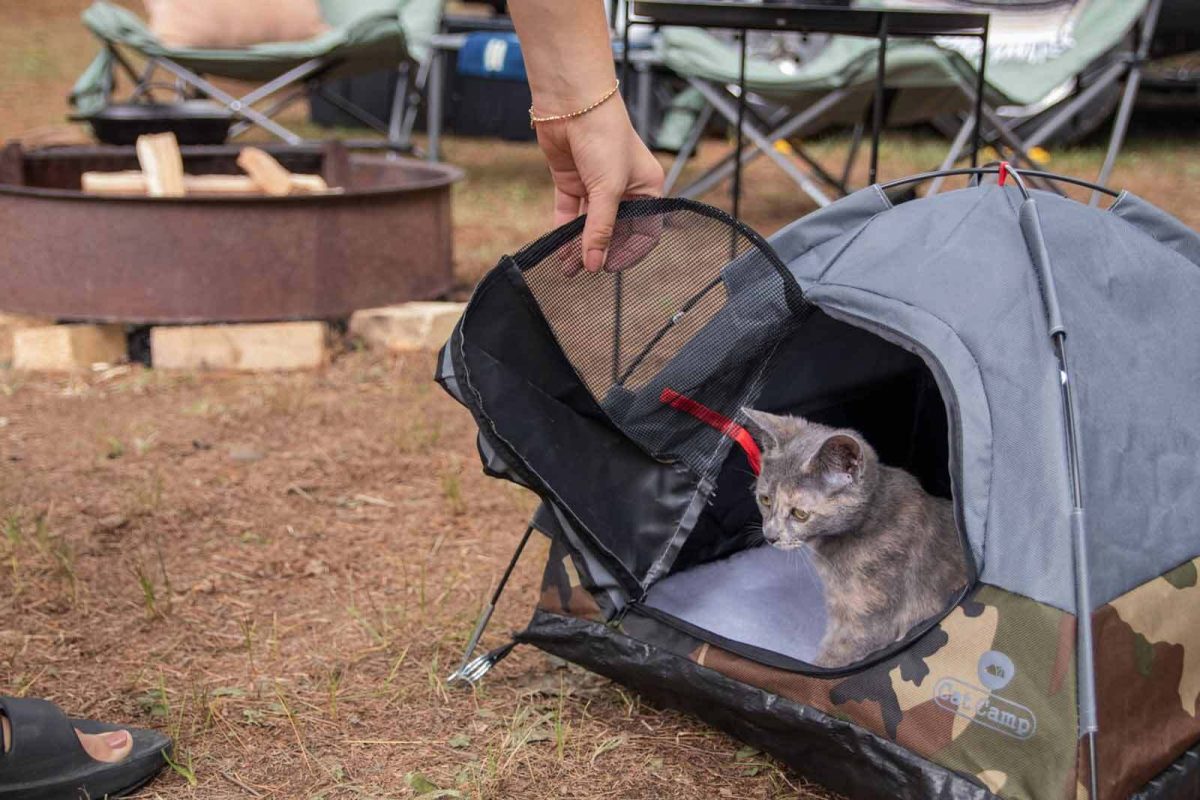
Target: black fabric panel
(532, 403)
(832, 752)
(730, 522)
(1180, 781)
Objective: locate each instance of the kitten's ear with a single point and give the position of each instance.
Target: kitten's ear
(770, 429)
(840, 461)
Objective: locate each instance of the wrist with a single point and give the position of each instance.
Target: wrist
(537, 117)
(568, 93)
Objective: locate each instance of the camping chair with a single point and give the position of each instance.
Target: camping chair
(925, 81)
(365, 35)
(836, 86)
(1049, 96)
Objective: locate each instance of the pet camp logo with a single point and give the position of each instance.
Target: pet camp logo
(996, 670)
(982, 706)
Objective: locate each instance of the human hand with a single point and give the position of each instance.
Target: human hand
(596, 160)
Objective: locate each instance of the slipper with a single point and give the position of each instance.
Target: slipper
(47, 762)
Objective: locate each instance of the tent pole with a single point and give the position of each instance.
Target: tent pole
(1031, 229)
(471, 671)
(1086, 667)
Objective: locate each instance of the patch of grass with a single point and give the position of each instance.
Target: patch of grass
(146, 498)
(181, 768)
(149, 590)
(452, 493)
(114, 448)
(416, 435)
(143, 444)
(12, 529)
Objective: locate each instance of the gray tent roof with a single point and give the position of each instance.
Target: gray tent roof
(950, 277)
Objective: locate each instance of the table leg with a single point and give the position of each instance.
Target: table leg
(880, 84)
(645, 85)
(980, 88)
(741, 122)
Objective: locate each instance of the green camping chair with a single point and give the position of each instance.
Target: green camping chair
(365, 35)
(1025, 105)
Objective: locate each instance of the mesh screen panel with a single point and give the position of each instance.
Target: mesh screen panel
(697, 305)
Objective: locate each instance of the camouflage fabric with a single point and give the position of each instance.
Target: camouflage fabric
(1147, 679)
(563, 591)
(989, 693)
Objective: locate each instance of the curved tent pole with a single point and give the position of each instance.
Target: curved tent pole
(980, 171)
(1031, 230)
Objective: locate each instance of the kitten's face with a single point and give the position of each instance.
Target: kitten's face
(813, 480)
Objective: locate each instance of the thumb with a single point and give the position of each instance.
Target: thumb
(598, 227)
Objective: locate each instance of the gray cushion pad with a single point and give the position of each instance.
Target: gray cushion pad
(763, 597)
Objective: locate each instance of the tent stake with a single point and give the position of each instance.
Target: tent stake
(471, 671)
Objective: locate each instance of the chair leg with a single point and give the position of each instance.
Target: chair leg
(1132, 84)
(764, 144)
(275, 108)
(688, 148)
(395, 133)
(852, 153)
(1003, 133)
(234, 104)
(1053, 125)
(953, 154)
(433, 104)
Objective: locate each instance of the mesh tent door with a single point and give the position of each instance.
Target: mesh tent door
(569, 372)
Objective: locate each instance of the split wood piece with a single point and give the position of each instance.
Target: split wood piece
(134, 183)
(162, 164)
(265, 171)
(241, 184)
(309, 184)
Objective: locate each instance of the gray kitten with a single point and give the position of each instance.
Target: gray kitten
(888, 552)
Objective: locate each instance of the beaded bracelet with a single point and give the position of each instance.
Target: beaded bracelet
(534, 119)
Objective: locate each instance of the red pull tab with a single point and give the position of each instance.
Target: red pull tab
(718, 421)
(1003, 172)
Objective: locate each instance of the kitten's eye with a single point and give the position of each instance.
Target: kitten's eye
(801, 514)
(764, 499)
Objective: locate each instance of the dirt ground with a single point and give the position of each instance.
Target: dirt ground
(280, 570)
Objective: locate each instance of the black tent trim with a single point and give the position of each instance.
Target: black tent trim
(838, 754)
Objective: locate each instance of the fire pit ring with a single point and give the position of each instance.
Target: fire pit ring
(384, 237)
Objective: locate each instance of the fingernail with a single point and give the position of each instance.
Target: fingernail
(116, 739)
(594, 260)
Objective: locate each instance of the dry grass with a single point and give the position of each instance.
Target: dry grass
(280, 570)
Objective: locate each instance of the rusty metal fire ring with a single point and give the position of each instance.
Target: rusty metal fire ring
(384, 238)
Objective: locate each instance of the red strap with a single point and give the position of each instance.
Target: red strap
(1003, 172)
(718, 421)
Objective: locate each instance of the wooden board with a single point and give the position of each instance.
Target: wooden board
(134, 183)
(265, 171)
(162, 164)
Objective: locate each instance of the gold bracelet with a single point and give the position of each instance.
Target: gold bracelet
(534, 119)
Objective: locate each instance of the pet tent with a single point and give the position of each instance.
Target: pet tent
(940, 329)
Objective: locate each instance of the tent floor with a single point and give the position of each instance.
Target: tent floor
(763, 597)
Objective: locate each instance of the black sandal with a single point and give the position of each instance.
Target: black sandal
(47, 762)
